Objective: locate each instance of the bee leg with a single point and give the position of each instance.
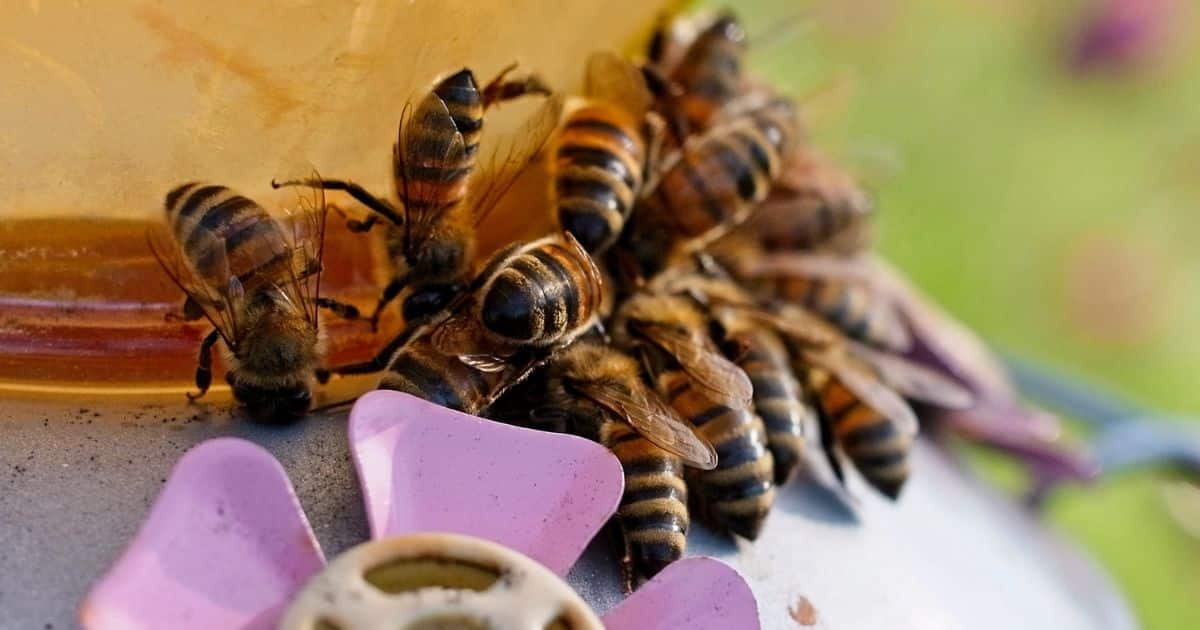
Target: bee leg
(204, 365)
(620, 541)
(360, 194)
(499, 89)
(352, 224)
(654, 130)
(189, 312)
(389, 293)
(341, 309)
(376, 363)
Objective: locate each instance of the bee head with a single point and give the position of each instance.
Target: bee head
(272, 404)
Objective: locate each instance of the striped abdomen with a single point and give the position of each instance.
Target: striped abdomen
(419, 369)
(853, 308)
(715, 183)
(710, 73)
(598, 173)
(653, 511)
(778, 398)
(737, 495)
(433, 181)
(877, 447)
(225, 235)
(541, 294)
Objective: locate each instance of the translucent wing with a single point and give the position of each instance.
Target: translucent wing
(708, 369)
(459, 334)
(428, 155)
(485, 362)
(219, 304)
(506, 162)
(809, 265)
(868, 388)
(914, 381)
(655, 421)
(798, 325)
(304, 224)
(613, 79)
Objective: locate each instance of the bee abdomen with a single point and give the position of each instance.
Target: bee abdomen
(225, 234)
(422, 371)
(540, 296)
(778, 400)
(599, 165)
(877, 447)
(433, 182)
(653, 509)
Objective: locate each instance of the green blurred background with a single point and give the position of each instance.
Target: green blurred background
(1052, 209)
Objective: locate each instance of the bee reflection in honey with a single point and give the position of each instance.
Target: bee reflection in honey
(257, 281)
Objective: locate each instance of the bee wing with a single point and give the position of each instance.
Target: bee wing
(611, 78)
(914, 381)
(485, 362)
(812, 265)
(429, 141)
(304, 226)
(654, 421)
(458, 334)
(868, 388)
(797, 324)
(708, 369)
(219, 305)
(509, 160)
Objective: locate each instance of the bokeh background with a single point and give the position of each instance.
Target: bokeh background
(1037, 165)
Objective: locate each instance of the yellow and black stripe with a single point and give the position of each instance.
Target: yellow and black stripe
(778, 397)
(421, 370)
(853, 308)
(433, 182)
(225, 235)
(710, 73)
(737, 495)
(653, 511)
(877, 447)
(598, 173)
(541, 294)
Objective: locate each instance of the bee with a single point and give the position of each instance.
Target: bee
(710, 185)
(257, 282)
(697, 78)
(712, 393)
(530, 300)
(431, 242)
(842, 290)
(815, 206)
(603, 151)
(598, 392)
(857, 388)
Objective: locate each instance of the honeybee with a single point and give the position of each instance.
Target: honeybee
(603, 151)
(597, 391)
(530, 300)
(858, 389)
(840, 290)
(258, 283)
(431, 243)
(709, 186)
(712, 393)
(815, 206)
(697, 74)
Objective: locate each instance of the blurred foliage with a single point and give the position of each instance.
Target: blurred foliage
(1053, 212)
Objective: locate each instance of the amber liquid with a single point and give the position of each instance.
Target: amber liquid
(83, 306)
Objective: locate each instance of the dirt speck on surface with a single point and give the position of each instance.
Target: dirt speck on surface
(803, 612)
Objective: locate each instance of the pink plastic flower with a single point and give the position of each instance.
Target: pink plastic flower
(227, 544)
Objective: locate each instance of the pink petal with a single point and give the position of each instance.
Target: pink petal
(427, 468)
(225, 546)
(693, 593)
